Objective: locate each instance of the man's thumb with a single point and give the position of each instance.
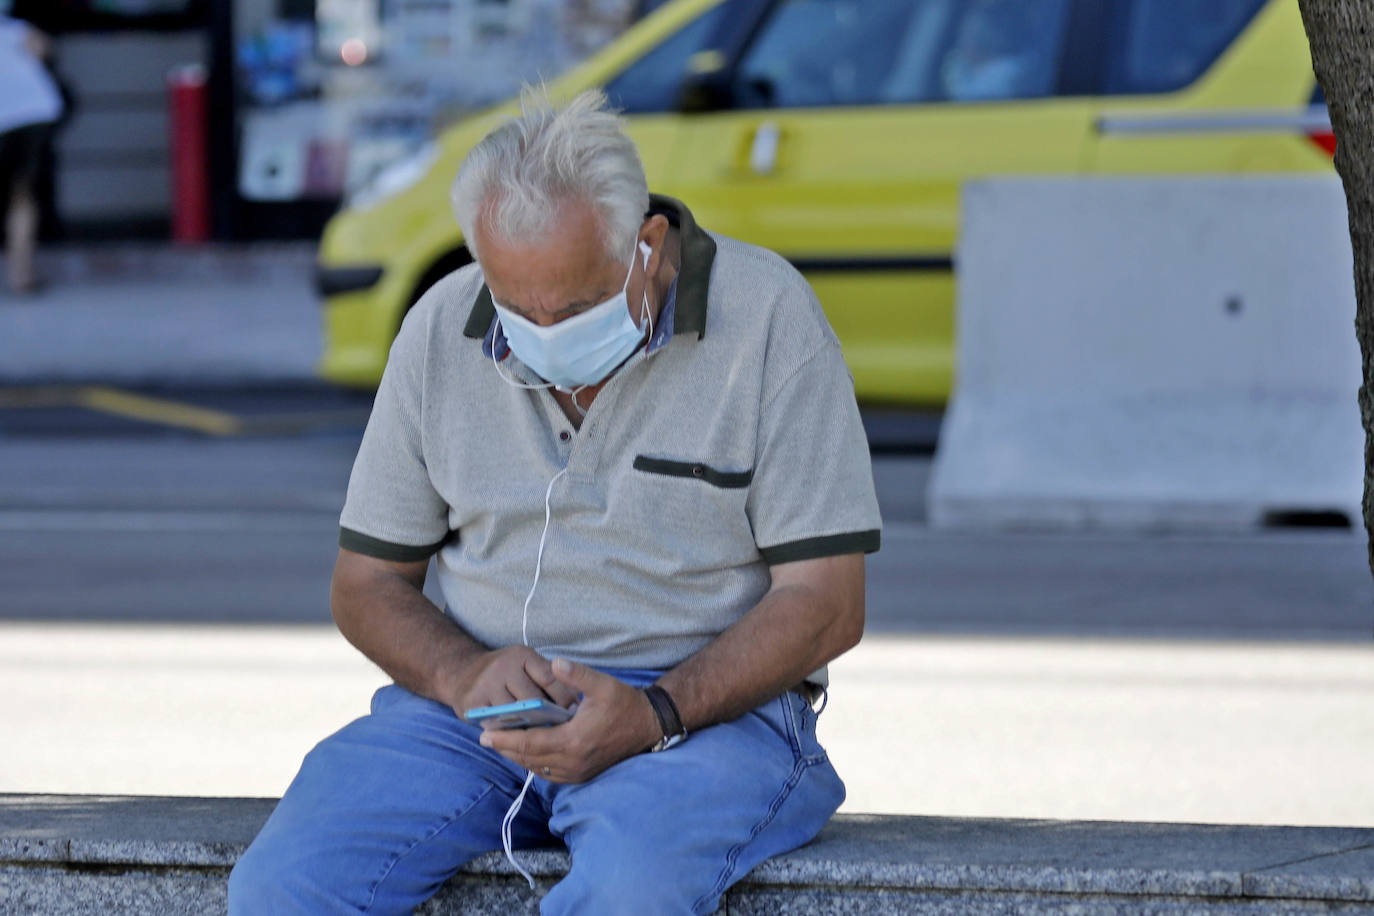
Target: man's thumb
(574, 674)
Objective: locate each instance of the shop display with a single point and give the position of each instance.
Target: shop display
(331, 103)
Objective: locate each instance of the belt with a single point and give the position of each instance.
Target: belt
(809, 692)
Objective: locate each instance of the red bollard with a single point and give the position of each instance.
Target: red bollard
(187, 110)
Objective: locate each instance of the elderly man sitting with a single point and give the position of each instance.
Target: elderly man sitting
(634, 447)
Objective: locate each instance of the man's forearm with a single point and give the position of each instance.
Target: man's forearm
(793, 631)
(388, 619)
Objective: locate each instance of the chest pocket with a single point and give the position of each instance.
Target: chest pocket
(694, 497)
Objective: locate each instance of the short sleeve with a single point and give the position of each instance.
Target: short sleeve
(392, 510)
(812, 494)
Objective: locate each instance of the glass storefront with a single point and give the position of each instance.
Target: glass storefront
(333, 92)
(310, 101)
(106, 169)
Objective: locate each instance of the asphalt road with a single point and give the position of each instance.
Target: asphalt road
(130, 510)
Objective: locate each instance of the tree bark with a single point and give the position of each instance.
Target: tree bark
(1341, 33)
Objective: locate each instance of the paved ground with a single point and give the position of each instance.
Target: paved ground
(157, 314)
(1063, 728)
(188, 527)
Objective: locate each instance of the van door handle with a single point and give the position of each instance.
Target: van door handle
(763, 153)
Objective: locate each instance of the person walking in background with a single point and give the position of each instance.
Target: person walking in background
(30, 107)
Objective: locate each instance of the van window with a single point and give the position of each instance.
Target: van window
(1004, 49)
(845, 52)
(653, 83)
(1163, 45)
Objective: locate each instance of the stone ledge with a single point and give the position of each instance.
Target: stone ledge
(69, 854)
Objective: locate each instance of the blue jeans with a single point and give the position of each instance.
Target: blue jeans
(384, 811)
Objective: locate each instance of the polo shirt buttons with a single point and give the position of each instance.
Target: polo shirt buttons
(698, 470)
(565, 435)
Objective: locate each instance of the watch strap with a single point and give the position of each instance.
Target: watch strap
(669, 720)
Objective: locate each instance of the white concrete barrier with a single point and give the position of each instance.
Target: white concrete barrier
(1152, 354)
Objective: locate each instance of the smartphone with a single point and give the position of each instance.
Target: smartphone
(520, 714)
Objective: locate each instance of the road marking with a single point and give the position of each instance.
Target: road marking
(182, 415)
(125, 404)
(159, 410)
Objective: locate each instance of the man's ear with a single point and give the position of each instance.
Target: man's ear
(654, 234)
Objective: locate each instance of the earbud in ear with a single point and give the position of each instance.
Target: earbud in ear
(645, 250)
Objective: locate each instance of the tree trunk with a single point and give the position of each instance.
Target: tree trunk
(1341, 33)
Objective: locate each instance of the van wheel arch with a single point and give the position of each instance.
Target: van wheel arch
(443, 265)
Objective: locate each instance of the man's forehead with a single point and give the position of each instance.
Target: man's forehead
(547, 269)
(562, 254)
(535, 284)
(556, 268)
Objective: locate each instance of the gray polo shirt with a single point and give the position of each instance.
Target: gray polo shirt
(731, 443)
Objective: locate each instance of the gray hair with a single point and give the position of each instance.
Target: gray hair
(514, 179)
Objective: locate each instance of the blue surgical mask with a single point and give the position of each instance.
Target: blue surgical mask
(582, 350)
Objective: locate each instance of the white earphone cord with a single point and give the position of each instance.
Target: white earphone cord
(507, 824)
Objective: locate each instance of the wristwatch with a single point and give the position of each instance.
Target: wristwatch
(668, 719)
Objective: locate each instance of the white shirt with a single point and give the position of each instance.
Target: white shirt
(28, 94)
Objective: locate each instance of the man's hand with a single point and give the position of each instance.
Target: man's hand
(506, 675)
(613, 721)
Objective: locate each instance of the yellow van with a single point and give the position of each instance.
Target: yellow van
(837, 133)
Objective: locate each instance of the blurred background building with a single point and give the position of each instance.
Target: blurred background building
(299, 100)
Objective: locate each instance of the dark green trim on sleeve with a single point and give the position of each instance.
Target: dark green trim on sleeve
(832, 545)
(358, 542)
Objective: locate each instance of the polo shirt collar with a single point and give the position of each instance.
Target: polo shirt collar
(698, 252)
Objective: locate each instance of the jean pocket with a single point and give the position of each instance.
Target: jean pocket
(387, 696)
(802, 726)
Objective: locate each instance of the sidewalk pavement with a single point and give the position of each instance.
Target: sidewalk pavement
(157, 314)
(1233, 732)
